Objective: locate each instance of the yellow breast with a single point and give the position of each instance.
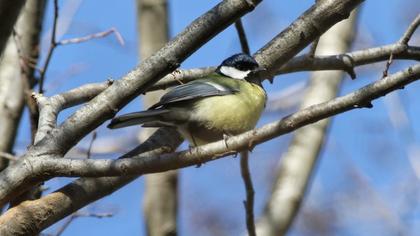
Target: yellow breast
(233, 114)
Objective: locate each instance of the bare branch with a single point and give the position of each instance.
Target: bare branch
(50, 107)
(102, 34)
(8, 156)
(249, 202)
(297, 164)
(29, 217)
(242, 36)
(245, 172)
(410, 31)
(78, 214)
(160, 198)
(313, 47)
(53, 45)
(103, 106)
(88, 152)
(9, 12)
(13, 88)
(345, 62)
(388, 64)
(95, 168)
(164, 61)
(66, 197)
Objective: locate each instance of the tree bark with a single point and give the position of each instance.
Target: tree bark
(160, 201)
(16, 74)
(59, 139)
(9, 12)
(297, 165)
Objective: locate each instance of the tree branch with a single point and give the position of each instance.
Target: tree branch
(410, 31)
(245, 172)
(344, 61)
(49, 108)
(297, 164)
(29, 218)
(249, 202)
(160, 198)
(230, 145)
(53, 45)
(13, 88)
(9, 12)
(242, 36)
(102, 107)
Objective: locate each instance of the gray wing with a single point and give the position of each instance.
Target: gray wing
(194, 90)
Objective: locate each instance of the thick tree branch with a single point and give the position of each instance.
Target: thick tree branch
(230, 145)
(13, 88)
(17, 178)
(167, 59)
(105, 105)
(49, 108)
(344, 61)
(29, 218)
(297, 164)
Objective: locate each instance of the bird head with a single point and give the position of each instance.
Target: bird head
(238, 66)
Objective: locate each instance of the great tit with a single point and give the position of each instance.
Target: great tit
(227, 102)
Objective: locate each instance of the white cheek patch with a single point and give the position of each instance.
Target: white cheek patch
(233, 72)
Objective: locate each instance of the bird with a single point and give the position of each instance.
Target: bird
(225, 103)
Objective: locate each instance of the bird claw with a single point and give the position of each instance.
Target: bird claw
(225, 138)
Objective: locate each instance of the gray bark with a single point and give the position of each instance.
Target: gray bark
(9, 12)
(297, 165)
(16, 75)
(160, 200)
(32, 169)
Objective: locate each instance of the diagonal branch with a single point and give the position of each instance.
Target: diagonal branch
(164, 61)
(410, 31)
(230, 145)
(326, 13)
(29, 216)
(50, 107)
(344, 61)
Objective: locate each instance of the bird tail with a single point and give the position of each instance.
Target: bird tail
(137, 118)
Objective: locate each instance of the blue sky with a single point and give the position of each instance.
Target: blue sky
(212, 195)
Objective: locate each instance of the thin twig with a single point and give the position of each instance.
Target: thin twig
(8, 156)
(249, 202)
(78, 214)
(91, 144)
(344, 61)
(102, 34)
(387, 65)
(313, 47)
(242, 36)
(410, 31)
(53, 45)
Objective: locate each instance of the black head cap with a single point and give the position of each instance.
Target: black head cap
(241, 61)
